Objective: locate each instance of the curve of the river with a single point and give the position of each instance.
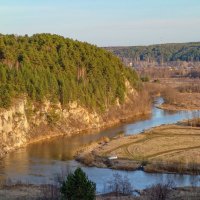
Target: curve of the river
(40, 162)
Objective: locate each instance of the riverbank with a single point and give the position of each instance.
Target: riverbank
(164, 149)
(32, 192)
(25, 123)
(183, 193)
(183, 102)
(180, 94)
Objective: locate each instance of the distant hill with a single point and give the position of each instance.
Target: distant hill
(159, 53)
(61, 70)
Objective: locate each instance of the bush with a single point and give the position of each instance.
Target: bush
(53, 117)
(156, 81)
(119, 186)
(159, 191)
(170, 95)
(5, 99)
(78, 187)
(145, 79)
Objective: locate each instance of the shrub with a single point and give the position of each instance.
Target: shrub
(78, 187)
(159, 191)
(53, 117)
(119, 186)
(170, 95)
(5, 99)
(145, 79)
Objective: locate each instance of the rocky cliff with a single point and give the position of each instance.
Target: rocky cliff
(25, 122)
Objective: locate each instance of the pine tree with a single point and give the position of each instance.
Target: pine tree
(51, 67)
(78, 187)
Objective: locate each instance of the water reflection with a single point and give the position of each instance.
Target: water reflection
(39, 162)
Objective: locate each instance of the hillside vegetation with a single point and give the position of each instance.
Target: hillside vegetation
(160, 53)
(61, 70)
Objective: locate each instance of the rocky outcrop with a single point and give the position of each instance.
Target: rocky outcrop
(26, 122)
(14, 127)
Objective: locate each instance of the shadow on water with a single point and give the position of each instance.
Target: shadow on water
(38, 163)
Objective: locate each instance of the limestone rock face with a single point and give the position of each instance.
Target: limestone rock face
(26, 122)
(13, 127)
(21, 123)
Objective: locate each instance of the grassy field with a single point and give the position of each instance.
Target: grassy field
(173, 148)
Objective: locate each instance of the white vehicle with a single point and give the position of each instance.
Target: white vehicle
(113, 158)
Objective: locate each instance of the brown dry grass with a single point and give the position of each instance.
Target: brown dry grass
(178, 82)
(179, 93)
(183, 101)
(29, 193)
(168, 143)
(20, 192)
(187, 193)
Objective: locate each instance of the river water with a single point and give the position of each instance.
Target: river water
(40, 162)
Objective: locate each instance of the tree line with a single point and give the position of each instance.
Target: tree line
(160, 53)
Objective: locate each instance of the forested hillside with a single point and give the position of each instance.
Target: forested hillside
(60, 69)
(160, 53)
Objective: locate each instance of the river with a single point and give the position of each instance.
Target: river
(40, 162)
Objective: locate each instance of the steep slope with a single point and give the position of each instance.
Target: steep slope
(62, 70)
(52, 86)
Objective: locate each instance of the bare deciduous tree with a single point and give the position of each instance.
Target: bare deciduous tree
(159, 191)
(119, 186)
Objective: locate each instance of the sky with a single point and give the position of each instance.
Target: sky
(105, 22)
